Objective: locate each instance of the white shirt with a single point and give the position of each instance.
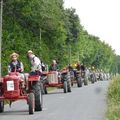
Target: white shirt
(36, 64)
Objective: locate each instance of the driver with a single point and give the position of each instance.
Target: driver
(54, 66)
(36, 66)
(15, 65)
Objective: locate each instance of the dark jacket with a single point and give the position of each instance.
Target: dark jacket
(53, 67)
(78, 67)
(15, 67)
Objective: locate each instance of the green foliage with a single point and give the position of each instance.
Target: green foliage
(114, 90)
(118, 64)
(113, 112)
(24, 20)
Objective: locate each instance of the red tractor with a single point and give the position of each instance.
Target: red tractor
(57, 79)
(11, 88)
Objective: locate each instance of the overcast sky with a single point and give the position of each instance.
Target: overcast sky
(100, 18)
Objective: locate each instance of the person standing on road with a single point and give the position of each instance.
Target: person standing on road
(35, 62)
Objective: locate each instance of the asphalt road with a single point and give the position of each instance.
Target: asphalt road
(86, 103)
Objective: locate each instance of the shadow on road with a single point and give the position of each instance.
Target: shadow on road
(15, 112)
(55, 92)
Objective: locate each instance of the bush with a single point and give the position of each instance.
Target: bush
(113, 112)
(114, 90)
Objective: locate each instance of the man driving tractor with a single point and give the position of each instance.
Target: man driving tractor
(15, 65)
(54, 66)
(35, 62)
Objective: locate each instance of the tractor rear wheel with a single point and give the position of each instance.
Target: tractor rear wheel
(92, 79)
(38, 96)
(45, 90)
(31, 102)
(85, 81)
(79, 82)
(65, 87)
(1, 104)
(69, 86)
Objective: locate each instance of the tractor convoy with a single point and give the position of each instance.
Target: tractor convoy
(35, 86)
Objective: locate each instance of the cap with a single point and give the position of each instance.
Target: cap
(30, 51)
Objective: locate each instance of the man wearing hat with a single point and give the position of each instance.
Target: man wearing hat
(35, 62)
(15, 65)
(54, 66)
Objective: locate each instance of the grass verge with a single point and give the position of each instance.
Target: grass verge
(50, 89)
(113, 111)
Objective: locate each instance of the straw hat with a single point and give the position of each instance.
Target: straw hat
(14, 54)
(30, 51)
(54, 61)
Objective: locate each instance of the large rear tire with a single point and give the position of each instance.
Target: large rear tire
(45, 90)
(85, 81)
(38, 96)
(1, 104)
(69, 87)
(72, 83)
(42, 88)
(79, 82)
(65, 87)
(31, 102)
(92, 79)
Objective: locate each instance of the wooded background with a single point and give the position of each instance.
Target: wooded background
(52, 32)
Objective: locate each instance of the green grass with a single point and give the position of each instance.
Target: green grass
(113, 111)
(51, 89)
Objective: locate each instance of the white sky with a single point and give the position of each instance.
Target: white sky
(100, 18)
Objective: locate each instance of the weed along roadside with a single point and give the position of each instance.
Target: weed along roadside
(51, 89)
(113, 111)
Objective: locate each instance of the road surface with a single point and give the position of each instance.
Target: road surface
(86, 103)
